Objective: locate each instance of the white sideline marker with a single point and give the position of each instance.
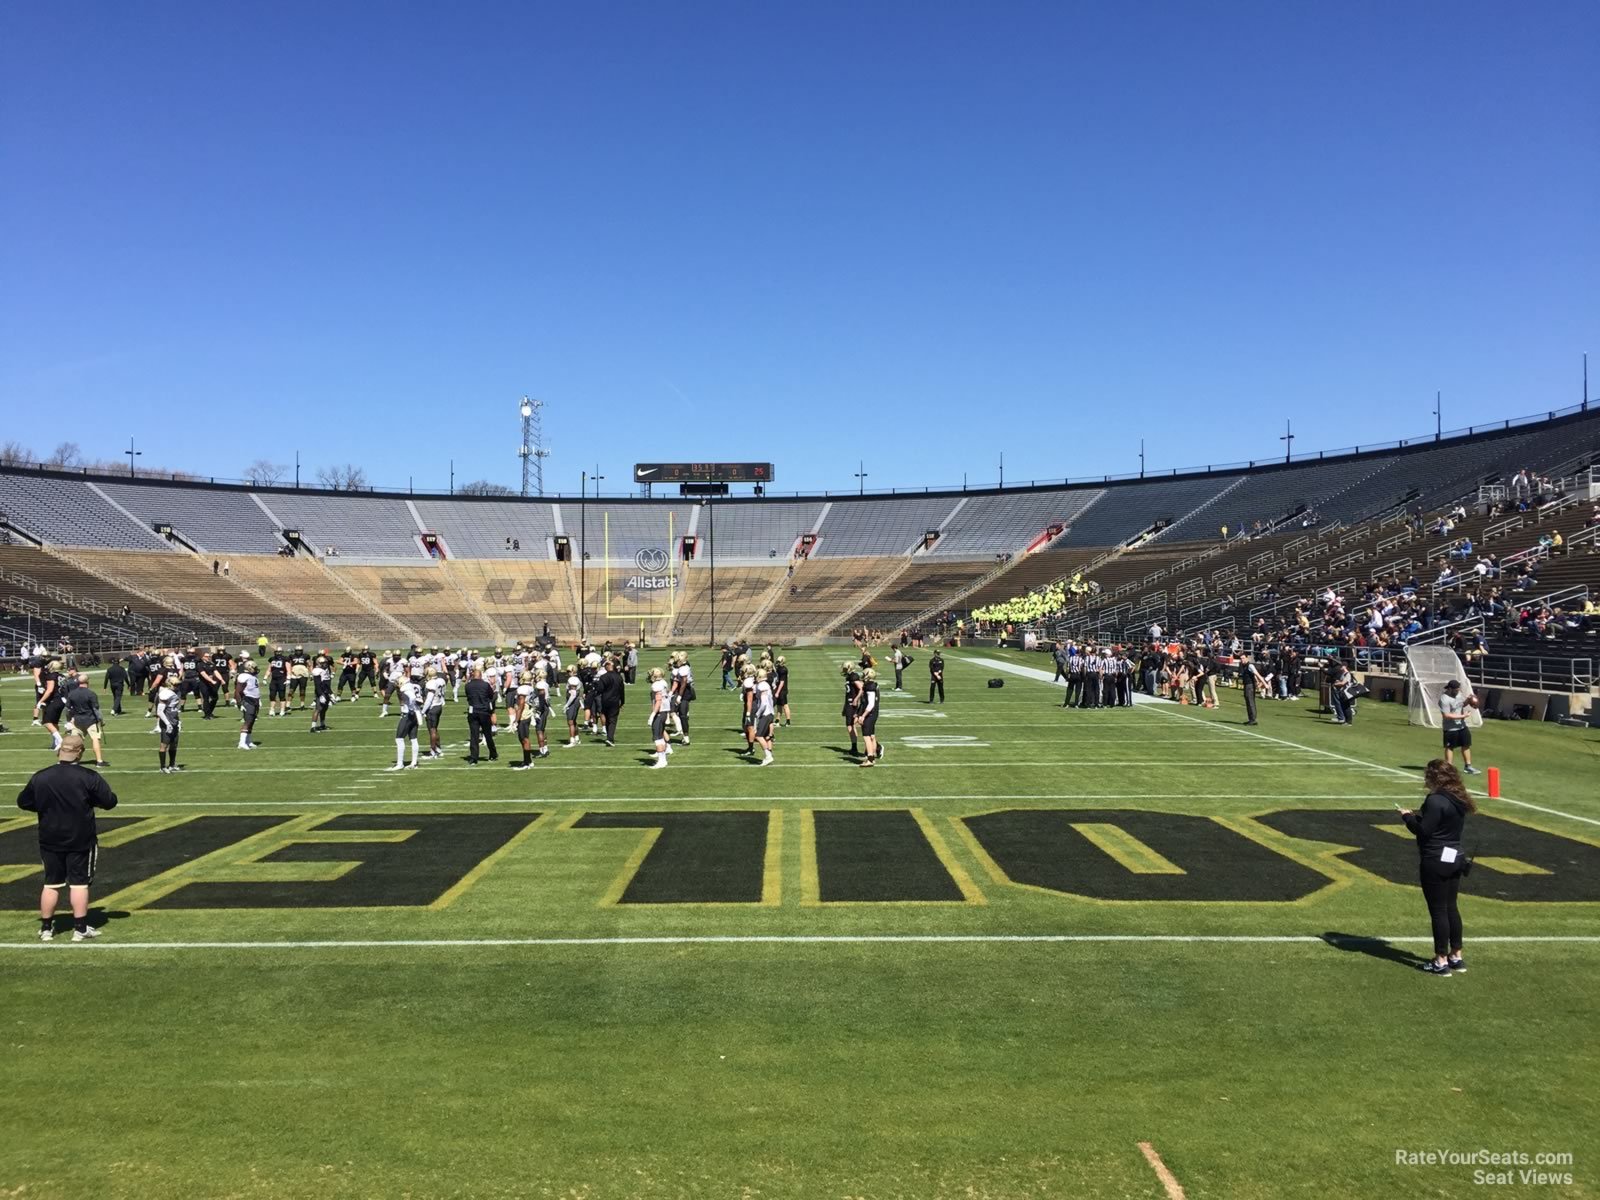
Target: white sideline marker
(790, 940)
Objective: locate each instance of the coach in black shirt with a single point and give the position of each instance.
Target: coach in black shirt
(65, 797)
(116, 681)
(480, 714)
(608, 690)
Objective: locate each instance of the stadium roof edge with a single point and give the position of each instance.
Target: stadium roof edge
(1514, 425)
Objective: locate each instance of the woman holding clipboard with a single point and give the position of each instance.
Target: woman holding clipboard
(1437, 826)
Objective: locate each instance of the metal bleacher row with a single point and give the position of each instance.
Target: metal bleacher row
(785, 567)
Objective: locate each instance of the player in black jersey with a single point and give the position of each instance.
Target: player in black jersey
(780, 688)
(852, 701)
(367, 672)
(160, 677)
(52, 700)
(347, 674)
(210, 686)
(299, 672)
(277, 683)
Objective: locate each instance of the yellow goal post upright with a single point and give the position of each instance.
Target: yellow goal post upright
(647, 588)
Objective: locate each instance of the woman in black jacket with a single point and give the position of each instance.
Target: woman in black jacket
(1438, 826)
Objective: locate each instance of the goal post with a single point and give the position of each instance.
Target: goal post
(1430, 668)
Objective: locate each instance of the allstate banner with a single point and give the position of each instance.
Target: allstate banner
(640, 567)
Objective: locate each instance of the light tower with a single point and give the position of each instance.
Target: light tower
(532, 451)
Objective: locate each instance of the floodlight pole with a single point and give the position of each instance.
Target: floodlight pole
(861, 476)
(1288, 440)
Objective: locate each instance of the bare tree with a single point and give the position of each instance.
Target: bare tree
(348, 478)
(482, 487)
(67, 454)
(263, 473)
(13, 454)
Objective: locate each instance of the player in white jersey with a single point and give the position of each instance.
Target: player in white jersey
(393, 676)
(410, 698)
(764, 711)
(660, 706)
(520, 716)
(572, 704)
(433, 709)
(747, 706)
(247, 690)
(169, 723)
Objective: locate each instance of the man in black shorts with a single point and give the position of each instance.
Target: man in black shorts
(1453, 714)
(277, 683)
(367, 661)
(65, 797)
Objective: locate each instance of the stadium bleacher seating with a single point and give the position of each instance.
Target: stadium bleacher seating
(213, 520)
(1331, 521)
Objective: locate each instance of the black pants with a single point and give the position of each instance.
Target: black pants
(1440, 891)
(481, 726)
(1250, 704)
(208, 699)
(1074, 686)
(935, 685)
(899, 679)
(609, 717)
(116, 701)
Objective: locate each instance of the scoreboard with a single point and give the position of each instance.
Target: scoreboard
(702, 472)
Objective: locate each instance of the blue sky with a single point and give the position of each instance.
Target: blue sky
(918, 235)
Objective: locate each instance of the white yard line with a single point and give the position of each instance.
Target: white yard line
(722, 798)
(795, 940)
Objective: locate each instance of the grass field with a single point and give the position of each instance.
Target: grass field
(990, 967)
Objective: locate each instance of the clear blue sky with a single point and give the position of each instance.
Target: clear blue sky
(914, 234)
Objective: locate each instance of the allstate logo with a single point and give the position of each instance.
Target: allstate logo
(652, 560)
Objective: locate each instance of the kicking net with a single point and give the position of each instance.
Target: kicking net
(1431, 667)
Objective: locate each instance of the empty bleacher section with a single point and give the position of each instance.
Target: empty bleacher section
(190, 581)
(213, 520)
(69, 512)
(355, 526)
(305, 586)
(892, 525)
(755, 531)
(520, 598)
(421, 597)
(821, 589)
(44, 595)
(923, 585)
(618, 532)
(740, 594)
(1128, 508)
(519, 529)
(987, 526)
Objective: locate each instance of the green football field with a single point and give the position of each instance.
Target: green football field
(1034, 953)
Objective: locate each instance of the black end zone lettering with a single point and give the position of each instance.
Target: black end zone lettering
(412, 872)
(878, 856)
(400, 590)
(121, 867)
(697, 858)
(1040, 847)
(1564, 869)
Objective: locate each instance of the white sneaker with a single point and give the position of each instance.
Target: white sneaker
(660, 762)
(411, 766)
(84, 934)
(47, 935)
(765, 762)
(669, 748)
(396, 767)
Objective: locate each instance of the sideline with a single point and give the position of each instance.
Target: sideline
(777, 939)
(1165, 709)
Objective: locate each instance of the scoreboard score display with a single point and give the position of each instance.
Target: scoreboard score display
(702, 473)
